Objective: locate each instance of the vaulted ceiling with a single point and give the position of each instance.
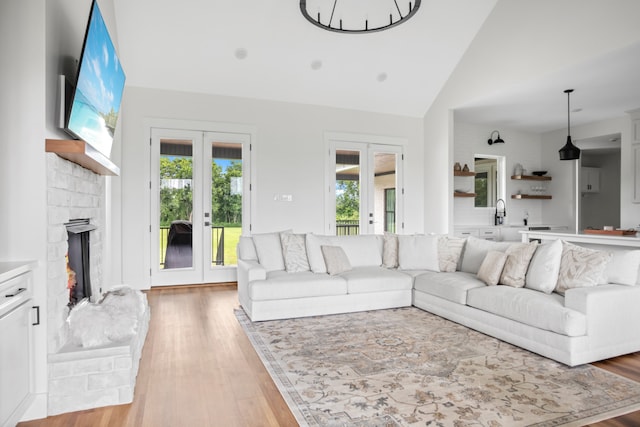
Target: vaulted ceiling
(266, 49)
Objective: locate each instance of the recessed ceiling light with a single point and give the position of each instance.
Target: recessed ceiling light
(382, 77)
(316, 65)
(241, 53)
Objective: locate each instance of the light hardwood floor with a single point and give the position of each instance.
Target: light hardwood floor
(199, 369)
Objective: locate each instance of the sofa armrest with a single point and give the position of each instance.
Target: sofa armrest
(611, 310)
(248, 271)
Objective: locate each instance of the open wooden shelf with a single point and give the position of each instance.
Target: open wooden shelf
(458, 194)
(531, 196)
(463, 173)
(531, 177)
(83, 154)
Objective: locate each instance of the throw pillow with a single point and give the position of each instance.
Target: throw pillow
(294, 252)
(314, 252)
(390, 250)
(580, 267)
(544, 267)
(476, 249)
(491, 267)
(623, 268)
(518, 258)
(418, 252)
(335, 259)
(449, 251)
(269, 250)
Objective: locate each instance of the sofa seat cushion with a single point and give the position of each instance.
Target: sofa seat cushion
(533, 308)
(376, 279)
(450, 286)
(283, 285)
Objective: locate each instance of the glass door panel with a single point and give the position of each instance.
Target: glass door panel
(383, 200)
(175, 189)
(347, 191)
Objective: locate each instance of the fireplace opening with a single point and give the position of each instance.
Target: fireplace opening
(78, 260)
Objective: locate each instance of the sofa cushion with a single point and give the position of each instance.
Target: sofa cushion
(623, 268)
(450, 286)
(335, 259)
(580, 267)
(376, 279)
(492, 267)
(269, 250)
(246, 250)
(418, 252)
(294, 252)
(544, 267)
(283, 285)
(361, 250)
(537, 309)
(449, 251)
(518, 259)
(476, 249)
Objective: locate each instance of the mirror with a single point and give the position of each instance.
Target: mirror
(489, 181)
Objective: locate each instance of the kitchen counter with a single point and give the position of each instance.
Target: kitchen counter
(594, 239)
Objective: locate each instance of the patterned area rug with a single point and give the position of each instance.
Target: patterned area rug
(407, 367)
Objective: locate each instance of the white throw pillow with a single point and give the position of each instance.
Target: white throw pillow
(314, 252)
(363, 250)
(418, 252)
(269, 250)
(449, 251)
(335, 259)
(294, 252)
(491, 267)
(544, 267)
(246, 250)
(518, 258)
(390, 250)
(623, 268)
(580, 267)
(476, 249)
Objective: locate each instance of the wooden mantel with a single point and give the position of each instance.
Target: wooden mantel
(83, 154)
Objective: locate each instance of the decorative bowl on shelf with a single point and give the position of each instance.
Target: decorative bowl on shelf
(539, 173)
(462, 190)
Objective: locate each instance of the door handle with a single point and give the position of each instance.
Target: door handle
(207, 223)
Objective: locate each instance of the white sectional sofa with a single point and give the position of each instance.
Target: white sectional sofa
(571, 304)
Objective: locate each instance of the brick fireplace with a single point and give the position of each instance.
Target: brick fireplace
(81, 378)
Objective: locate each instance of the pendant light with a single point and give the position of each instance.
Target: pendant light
(569, 151)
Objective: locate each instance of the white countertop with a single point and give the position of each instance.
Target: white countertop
(10, 269)
(596, 239)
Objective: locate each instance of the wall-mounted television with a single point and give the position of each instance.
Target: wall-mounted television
(94, 106)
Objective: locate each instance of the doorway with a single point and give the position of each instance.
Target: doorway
(599, 188)
(365, 188)
(198, 183)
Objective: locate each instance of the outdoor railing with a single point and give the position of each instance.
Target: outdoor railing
(348, 227)
(217, 245)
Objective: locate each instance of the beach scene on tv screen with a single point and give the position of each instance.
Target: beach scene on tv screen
(96, 102)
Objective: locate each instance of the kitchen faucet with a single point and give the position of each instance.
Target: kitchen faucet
(500, 214)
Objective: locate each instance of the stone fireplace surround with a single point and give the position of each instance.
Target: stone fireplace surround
(81, 378)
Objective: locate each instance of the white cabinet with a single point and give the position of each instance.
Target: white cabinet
(481, 233)
(14, 363)
(16, 307)
(589, 180)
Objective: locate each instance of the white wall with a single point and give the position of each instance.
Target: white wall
(519, 147)
(521, 40)
(23, 217)
(289, 157)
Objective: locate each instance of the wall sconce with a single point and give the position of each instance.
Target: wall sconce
(498, 140)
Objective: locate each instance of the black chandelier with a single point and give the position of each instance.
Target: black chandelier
(358, 17)
(569, 151)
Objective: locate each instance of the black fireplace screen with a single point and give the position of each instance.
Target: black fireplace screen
(78, 260)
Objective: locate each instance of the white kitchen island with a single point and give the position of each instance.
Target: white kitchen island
(584, 239)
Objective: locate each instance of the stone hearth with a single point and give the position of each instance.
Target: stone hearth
(81, 378)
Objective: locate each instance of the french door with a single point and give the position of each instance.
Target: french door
(198, 180)
(365, 188)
